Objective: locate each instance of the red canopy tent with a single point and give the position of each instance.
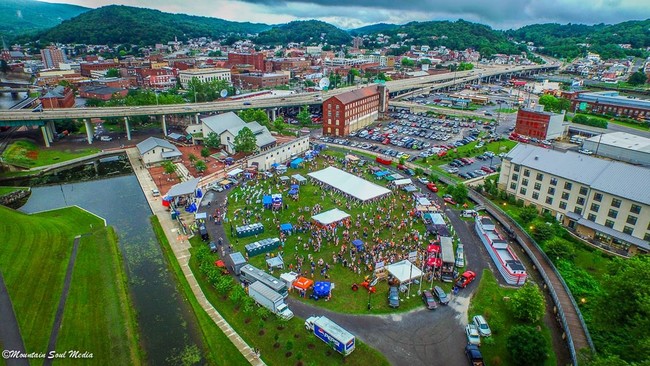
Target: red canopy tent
(434, 262)
(433, 248)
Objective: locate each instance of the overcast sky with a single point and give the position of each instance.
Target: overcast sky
(501, 14)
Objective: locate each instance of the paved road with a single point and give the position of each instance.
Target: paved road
(10, 337)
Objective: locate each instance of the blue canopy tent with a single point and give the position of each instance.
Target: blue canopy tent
(358, 244)
(295, 163)
(199, 193)
(322, 289)
(295, 186)
(382, 173)
(286, 228)
(293, 191)
(275, 165)
(191, 208)
(267, 201)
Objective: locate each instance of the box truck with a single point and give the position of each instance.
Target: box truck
(270, 299)
(331, 333)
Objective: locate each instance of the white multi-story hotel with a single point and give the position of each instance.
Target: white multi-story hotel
(601, 200)
(203, 75)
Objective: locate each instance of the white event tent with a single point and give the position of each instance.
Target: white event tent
(331, 216)
(349, 184)
(404, 271)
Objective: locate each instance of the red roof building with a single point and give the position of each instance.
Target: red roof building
(353, 110)
(58, 97)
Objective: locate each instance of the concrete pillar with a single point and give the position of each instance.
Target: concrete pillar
(164, 125)
(196, 118)
(48, 132)
(128, 129)
(45, 137)
(272, 114)
(89, 131)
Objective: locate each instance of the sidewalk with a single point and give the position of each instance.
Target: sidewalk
(181, 248)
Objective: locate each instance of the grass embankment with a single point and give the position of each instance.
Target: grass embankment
(99, 316)
(7, 190)
(36, 249)
(221, 351)
(490, 301)
(26, 154)
(280, 342)
(506, 110)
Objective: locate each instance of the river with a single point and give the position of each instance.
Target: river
(166, 322)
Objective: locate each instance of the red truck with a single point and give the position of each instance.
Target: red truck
(465, 279)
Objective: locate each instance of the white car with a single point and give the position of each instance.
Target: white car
(155, 192)
(482, 326)
(586, 152)
(452, 170)
(471, 331)
(423, 180)
(460, 256)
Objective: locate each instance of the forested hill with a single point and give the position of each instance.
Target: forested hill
(457, 35)
(373, 28)
(310, 32)
(124, 24)
(20, 16)
(571, 40)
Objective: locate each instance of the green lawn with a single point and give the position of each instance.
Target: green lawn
(6, 190)
(99, 316)
(272, 336)
(343, 299)
(26, 154)
(505, 110)
(221, 351)
(36, 249)
(489, 302)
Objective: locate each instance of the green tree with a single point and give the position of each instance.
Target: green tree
(543, 232)
(245, 141)
(212, 140)
(638, 78)
(425, 61)
(527, 346)
(528, 214)
(549, 102)
(623, 322)
(112, 73)
(459, 192)
(465, 66)
(407, 62)
(304, 117)
(169, 167)
(192, 158)
(255, 115)
(560, 248)
(528, 304)
(205, 152)
(279, 124)
(200, 166)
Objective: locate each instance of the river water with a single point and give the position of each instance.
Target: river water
(167, 325)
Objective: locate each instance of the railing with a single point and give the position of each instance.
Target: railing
(499, 214)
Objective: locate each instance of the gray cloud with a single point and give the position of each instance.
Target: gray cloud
(497, 13)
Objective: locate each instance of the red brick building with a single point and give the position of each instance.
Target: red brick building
(58, 97)
(155, 78)
(353, 110)
(86, 68)
(101, 92)
(255, 59)
(539, 124)
(259, 80)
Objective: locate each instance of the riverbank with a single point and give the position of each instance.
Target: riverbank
(36, 249)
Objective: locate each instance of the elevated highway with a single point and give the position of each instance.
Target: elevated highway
(396, 88)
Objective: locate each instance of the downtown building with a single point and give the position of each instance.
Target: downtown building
(605, 202)
(203, 75)
(350, 111)
(539, 124)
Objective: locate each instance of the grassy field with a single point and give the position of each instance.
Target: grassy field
(280, 343)
(105, 326)
(489, 302)
(26, 154)
(36, 249)
(505, 110)
(343, 299)
(6, 190)
(221, 351)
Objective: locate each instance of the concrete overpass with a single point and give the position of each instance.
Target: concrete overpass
(395, 87)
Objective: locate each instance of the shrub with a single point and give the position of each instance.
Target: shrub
(527, 346)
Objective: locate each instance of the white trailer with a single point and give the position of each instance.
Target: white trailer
(270, 299)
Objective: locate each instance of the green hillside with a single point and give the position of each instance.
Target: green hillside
(373, 28)
(20, 16)
(124, 24)
(569, 40)
(309, 31)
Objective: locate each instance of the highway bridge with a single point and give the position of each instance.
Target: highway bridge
(45, 118)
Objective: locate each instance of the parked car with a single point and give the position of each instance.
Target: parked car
(432, 187)
(473, 337)
(465, 279)
(213, 247)
(586, 152)
(460, 256)
(449, 200)
(428, 300)
(155, 192)
(441, 295)
(482, 326)
(474, 355)
(393, 297)
(423, 180)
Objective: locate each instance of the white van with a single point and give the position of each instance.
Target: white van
(469, 213)
(105, 138)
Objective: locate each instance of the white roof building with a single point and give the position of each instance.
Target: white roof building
(227, 126)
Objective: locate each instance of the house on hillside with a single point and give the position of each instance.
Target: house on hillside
(154, 150)
(228, 125)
